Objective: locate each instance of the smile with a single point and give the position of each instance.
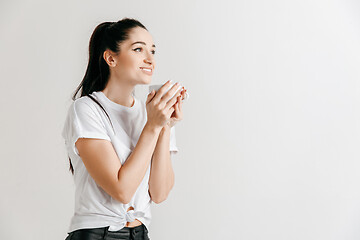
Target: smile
(147, 71)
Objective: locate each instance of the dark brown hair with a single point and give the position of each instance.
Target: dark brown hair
(107, 35)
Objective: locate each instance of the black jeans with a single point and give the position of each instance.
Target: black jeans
(130, 233)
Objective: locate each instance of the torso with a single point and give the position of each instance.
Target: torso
(135, 223)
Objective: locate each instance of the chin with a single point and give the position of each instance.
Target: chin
(147, 81)
(142, 79)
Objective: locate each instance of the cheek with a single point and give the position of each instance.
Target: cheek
(128, 66)
(133, 63)
(128, 62)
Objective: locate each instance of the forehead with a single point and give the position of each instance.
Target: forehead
(139, 34)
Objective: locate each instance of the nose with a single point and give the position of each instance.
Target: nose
(147, 61)
(149, 58)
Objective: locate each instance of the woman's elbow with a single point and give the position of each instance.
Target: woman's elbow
(123, 199)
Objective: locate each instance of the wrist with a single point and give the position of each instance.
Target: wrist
(171, 123)
(152, 129)
(166, 128)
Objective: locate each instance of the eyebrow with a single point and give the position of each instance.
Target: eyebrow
(141, 43)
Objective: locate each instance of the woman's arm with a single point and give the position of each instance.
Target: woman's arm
(162, 174)
(134, 169)
(103, 164)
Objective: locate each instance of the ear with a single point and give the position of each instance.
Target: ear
(109, 59)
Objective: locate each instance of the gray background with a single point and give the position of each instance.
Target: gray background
(269, 144)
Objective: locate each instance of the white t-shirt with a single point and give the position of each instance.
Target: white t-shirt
(94, 207)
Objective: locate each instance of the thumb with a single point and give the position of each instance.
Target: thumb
(149, 96)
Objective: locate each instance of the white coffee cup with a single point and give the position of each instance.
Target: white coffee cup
(156, 87)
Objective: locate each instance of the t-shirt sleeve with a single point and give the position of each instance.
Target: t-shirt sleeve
(173, 148)
(82, 122)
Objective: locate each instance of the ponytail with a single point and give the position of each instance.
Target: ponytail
(107, 35)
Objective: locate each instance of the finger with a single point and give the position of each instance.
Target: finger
(180, 105)
(170, 112)
(183, 94)
(172, 101)
(161, 91)
(176, 88)
(149, 97)
(177, 106)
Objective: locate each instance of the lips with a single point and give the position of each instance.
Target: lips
(146, 70)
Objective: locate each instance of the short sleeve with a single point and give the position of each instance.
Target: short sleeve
(82, 122)
(173, 147)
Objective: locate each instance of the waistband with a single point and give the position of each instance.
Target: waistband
(104, 232)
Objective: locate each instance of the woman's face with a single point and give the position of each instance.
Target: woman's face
(136, 53)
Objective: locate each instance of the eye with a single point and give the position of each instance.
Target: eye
(153, 51)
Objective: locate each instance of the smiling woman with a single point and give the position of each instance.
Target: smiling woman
(128, 64)
(114, 141)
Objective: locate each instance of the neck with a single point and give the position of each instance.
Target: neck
(119, 93)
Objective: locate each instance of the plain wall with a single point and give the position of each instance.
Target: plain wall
(269, 143)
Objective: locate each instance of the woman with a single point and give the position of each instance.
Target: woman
(114, 141)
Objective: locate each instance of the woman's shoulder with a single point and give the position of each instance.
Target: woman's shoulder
(84, 102)
(82, 106)
(85, 110)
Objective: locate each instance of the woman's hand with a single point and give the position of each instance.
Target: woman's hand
(160, 106)
(177, 115)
